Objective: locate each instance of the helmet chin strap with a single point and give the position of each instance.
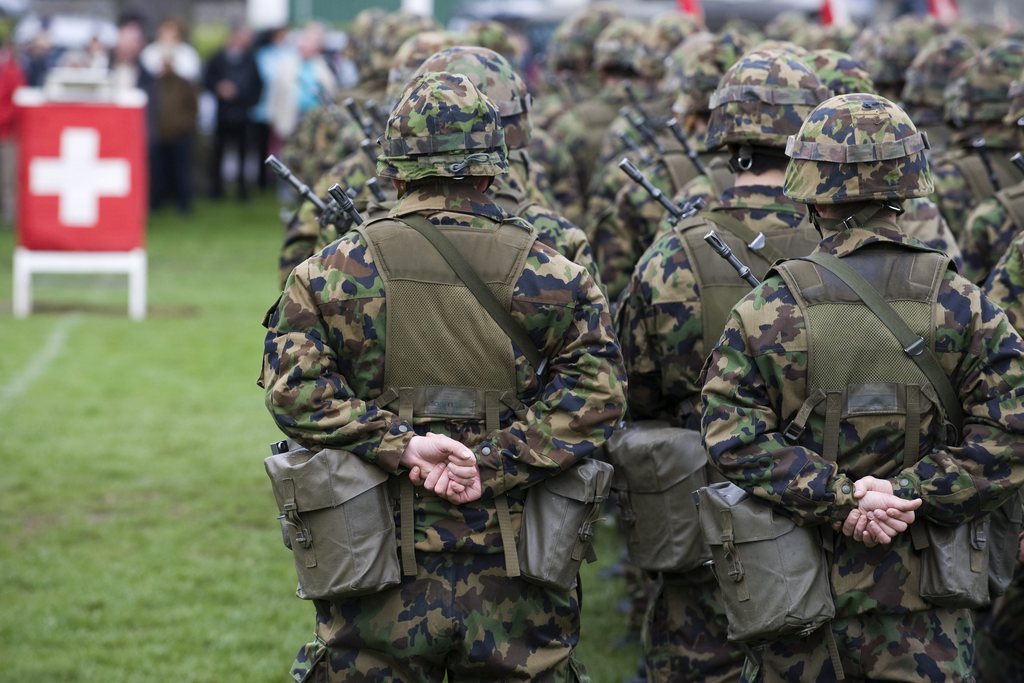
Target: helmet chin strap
(857, 220)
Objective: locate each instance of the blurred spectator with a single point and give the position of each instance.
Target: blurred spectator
(170, 45)
(126, 70)
(234, 79)
(11, 77)
(177, 104)
(270, 49)
(97, 51)
(39, 59)
(302, 82)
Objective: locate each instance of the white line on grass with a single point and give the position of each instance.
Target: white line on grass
(39, 363)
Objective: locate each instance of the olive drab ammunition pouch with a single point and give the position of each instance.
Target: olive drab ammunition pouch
(773, 574)
(558, 524)
(337, 520)
(1007, 522)
(904, 381)
(657, 468)
(719, 287)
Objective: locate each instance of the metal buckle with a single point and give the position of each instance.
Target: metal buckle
(792, 432)
(917, 348)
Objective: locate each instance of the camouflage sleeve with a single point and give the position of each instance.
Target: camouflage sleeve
(555, 164)
(952, 195)
(583, 396)
(306, 392)
(1005, 285)
(980, 241)
(974, 478)
(582, 254)
(613, 251)
(662, 335)
(742, 399)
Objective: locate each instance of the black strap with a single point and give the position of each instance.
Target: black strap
(478, 288)
(913, 345)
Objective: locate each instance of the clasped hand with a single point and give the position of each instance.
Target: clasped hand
(880, 515)
(443, 465)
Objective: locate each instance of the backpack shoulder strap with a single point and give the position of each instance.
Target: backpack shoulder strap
(913, 345)
(741, 230)
(1012, 199)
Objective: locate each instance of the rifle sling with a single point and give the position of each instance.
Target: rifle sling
(478, 288)
(914, 345)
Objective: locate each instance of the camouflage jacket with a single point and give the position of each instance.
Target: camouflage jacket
(323, 367)
(989, 231)
(554, 175)
(1005, 284)
(756, 380)
(953, 191)
(659, 322)
(922, 220)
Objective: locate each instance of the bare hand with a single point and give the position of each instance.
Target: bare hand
(227, 90)
(458, 481)
(424, 453)
(880, 516)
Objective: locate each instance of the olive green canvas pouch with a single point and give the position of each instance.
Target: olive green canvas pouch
(772, 572)
(337, 519)
(558, 524)
(1004, 543)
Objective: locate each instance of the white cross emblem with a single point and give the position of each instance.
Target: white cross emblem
(79, 177)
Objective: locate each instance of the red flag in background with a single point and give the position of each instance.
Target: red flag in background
(834, 12)
(945, 11)
(691, 7)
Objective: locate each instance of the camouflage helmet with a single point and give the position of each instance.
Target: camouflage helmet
(887, 50)
(786, 25)
(696, 67)
(411, 55)
(617, 46)
(359, 32)
(389, 34)
(854, 148)
(839, 72)
(442, 126)
(571, 47)
(499, 37)
(497, 80)
(978, 94)
(745, 27)
(762, 100)
(943, 58)
(783, 45)
(664, 34)
(835, 37)
(1016, 115)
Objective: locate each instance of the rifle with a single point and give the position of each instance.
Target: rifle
(1018, 161)
(634, 99)
(366, 147)
(676, 212)
(629, 144)
(723, 250)
(301, 188)
(642, 125)
(691, 153)
(353, 111)
(344, 200)
(378, 115)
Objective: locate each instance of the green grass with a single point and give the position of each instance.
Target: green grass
(137, 531)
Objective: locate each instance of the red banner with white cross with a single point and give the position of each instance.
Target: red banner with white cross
(82, 176)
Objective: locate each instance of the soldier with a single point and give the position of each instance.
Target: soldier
(995, 222)
(976, 165)
(887, 50)
(424, 384)
(867, 456)
(678, 301)
(943, 58)
(624, 230)
(839, 72)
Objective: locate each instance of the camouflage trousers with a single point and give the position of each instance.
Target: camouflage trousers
(461, 616)
(933, 645)
(684, 636)
(1000, 643)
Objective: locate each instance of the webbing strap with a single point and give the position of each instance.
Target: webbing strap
(795, 428)
(833, 653)
(736, 227)
(912, 344)
(912, 428)
(478, 288)
(833, 418)
(407, 524)
(508, 537)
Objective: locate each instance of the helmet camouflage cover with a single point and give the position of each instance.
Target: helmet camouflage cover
(389, 34)
(839, 72)
(664, 34)
(442, 126)
(763, 99)
(696, 67)
(572, 44)
(942, 59)
(618, 45)
(496, 36)
(887, 50)
(857, 147)
(494, 77)
(979, 94)
(411, 55)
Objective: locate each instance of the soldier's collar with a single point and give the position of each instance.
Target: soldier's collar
(876, 231)
(447, 196)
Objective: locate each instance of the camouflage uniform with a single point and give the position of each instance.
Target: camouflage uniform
(661, 325)
(758, 377)
(887, 50)
(324, 370)
(625, 229)
(942, 59)
(839, 72)
(976, 164)
(501, 38)
(1005, 284)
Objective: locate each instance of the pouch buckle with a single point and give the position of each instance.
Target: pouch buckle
(916, 348)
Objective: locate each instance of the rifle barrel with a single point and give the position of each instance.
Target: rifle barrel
(345, 202)
(301, 188)
(722, 249)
